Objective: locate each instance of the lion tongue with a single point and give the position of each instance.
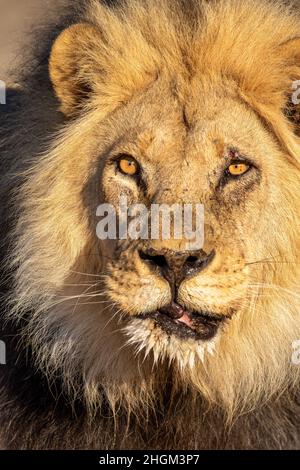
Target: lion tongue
(176, 312)
(185, 319)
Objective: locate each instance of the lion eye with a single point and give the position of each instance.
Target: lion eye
(237, 169)
(128, 165)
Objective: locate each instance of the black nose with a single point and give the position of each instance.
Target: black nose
(176, 266)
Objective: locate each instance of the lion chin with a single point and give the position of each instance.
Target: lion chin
(175, 333)
(148, 337)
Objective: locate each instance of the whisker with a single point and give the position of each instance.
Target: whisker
(274, 286)
(111, 319)
(88, 274)
(85, 294)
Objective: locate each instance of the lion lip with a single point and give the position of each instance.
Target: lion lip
(176, 320)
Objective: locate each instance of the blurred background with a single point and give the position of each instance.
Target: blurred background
(17, 18)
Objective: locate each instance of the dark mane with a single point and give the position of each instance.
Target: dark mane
(28, 123)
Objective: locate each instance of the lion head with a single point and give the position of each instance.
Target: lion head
(167, 103)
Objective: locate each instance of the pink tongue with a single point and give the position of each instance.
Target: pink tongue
(185, 319)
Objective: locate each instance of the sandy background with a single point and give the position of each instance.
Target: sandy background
(16, 19)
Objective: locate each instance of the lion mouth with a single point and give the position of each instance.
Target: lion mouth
(175, 320)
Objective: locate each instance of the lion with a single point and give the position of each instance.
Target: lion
(145, 343)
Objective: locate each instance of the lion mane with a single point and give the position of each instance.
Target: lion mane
(64, 386)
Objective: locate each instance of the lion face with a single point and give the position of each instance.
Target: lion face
(167, 116)
(189, 161)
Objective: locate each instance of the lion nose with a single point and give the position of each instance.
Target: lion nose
(176, 266)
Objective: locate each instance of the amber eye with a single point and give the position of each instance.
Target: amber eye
(128, 165)
(238, 169)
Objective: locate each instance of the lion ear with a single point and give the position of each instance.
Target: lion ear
(73, 65)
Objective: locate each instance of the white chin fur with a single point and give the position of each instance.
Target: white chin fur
(148, 337)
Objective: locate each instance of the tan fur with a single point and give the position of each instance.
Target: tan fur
(128, 76)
